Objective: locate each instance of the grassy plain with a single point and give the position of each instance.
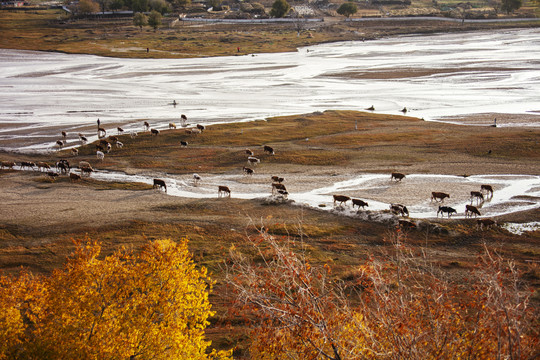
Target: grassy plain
(42, 218)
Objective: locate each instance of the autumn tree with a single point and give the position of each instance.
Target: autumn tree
(153, 304)
(140, 20)
(154, 19)
(280, 8)
(86, 7)
(347, 9)
(394, 307)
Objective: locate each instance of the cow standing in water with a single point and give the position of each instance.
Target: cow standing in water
(160, 184)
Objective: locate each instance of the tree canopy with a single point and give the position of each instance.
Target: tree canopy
(347, 9)
(151, 305)
(510, 5)
(154, 19)
(280, 8)
(140, 20)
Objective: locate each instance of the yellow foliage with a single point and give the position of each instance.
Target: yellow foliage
(153, 304)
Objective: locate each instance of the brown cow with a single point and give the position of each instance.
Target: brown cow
(247, 171)
(160, 184)
(478, 196)
(146, 125)
(488, 189)
(101, 132)
(480, 223)
(397, 176)
(249, 152)
(120, 130)
(277, 179)
(341, 199)
(74, 177)
(200, 127)
(223, 190)
(8, 164)
(43, 166)
(268, 150)
(470, 210)
(154, 132)
(439, 196)
(360, 203)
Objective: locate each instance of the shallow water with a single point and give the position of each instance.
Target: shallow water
(507, 197)
(467, 73)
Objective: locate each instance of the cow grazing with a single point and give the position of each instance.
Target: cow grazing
(160, 184)
(360, 203)
(341, 199)
(8, 164)
(399, 209)
(83, 139)
(120, 130)
(63, 166)
(247, 171)
(74, 177)
(439, 196)
(470, 210)
(27, 164)
(154, 132)
(74, 152)
(60, 143)
(276, 187)
(43, 166)
(397, 176)
(201, 127)
(183, 143)
(100, 155)
(277, 179)
(183, 117)
(253, 160)
(249, 152)
(283, 193)
(446, 209)
(146, 125)
(119, 144)
(196, 179)
(480, 223)
(52, 175)
(172, 126)
(64, 134)
(477, 195)
(488, 189)
(86, 170)
(224, 190)
(133, 134)
(268, 150)
(101, 132)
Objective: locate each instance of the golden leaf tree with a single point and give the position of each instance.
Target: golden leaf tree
(148, 305)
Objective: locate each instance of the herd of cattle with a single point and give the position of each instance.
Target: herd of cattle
(278, 188)
(485, 193)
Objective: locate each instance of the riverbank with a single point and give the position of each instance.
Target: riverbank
(52, 30)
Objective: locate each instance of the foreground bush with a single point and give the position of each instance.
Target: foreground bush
(399, 307)
(150, 305)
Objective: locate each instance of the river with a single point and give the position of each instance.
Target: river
(436, 77)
